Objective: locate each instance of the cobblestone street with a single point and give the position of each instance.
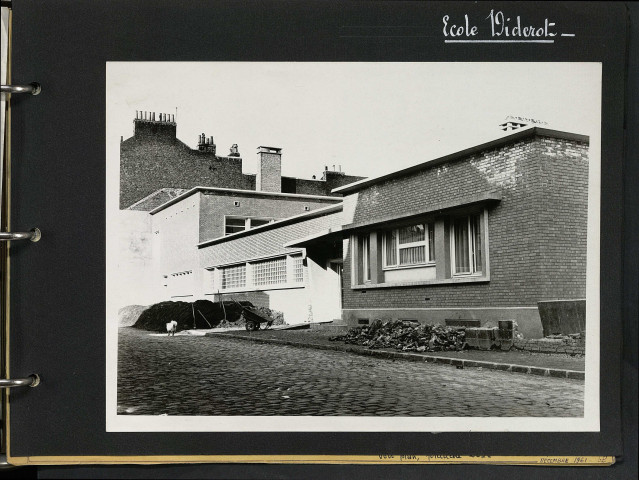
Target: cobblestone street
(188, 375)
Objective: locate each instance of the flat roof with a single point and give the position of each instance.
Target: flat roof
(502, 140)
(314, 238)
(277, 224)
(193, 190)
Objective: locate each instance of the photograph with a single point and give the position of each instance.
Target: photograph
(352, 246)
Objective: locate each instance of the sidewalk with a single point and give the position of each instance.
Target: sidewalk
(513, 361)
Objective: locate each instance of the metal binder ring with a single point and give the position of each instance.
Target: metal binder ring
(33, 88)
(30, 381)
(34, 235)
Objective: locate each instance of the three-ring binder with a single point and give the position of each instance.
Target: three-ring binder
(32, 88)
(34, 235)
(30, 381)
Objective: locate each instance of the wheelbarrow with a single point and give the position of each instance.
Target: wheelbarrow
(254, 319)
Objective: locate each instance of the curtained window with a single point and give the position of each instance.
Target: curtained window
(410, 245)
(466, 248)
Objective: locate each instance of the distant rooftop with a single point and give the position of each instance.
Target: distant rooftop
(252, 193)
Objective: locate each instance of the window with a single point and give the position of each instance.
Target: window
(234, 225)
(298, 269)
(234, 276)
(410, 245)
(269, 272)
(466, 245)
(239, 224)
(406, 254)
(365, 249)
(285, 271)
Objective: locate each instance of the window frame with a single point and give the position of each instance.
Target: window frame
(366, 257)
(247, 222)
(292, 280)
(475, 269)
(430, 255)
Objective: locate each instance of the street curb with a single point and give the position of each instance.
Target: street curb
(414, 357)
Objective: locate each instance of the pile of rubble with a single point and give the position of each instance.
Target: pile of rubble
(567, 337)
(406, 336)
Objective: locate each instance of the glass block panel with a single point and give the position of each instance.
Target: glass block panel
(270, 272)
(234, 277)
(298, 269)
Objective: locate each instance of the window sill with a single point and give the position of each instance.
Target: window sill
(261, 288)
(445, 281)
(406, 267)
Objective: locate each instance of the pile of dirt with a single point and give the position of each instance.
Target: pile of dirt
(127, 316)
(406, 336)
(189, 315)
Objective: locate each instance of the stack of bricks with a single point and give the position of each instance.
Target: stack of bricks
(486, 338)
(568, 346)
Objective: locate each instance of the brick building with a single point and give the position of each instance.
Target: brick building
(484, 233)
(218, 216)
(156, 166)
(173, 197)
(259, 265)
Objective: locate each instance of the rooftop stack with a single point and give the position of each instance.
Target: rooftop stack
(162, 125)
(513, 123)
(206, 144)
(269, 169)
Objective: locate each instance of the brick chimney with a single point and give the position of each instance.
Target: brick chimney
(206, 144)
(269, 169)
(152, 124)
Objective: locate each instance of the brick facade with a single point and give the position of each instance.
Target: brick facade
(215, 206)
(537, 232)
(265, 242)
(155, 159)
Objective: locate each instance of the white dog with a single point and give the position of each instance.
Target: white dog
(171, 327)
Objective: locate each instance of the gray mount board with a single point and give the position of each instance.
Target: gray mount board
(58, 178)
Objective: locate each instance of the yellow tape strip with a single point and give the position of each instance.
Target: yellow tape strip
(322, 459)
